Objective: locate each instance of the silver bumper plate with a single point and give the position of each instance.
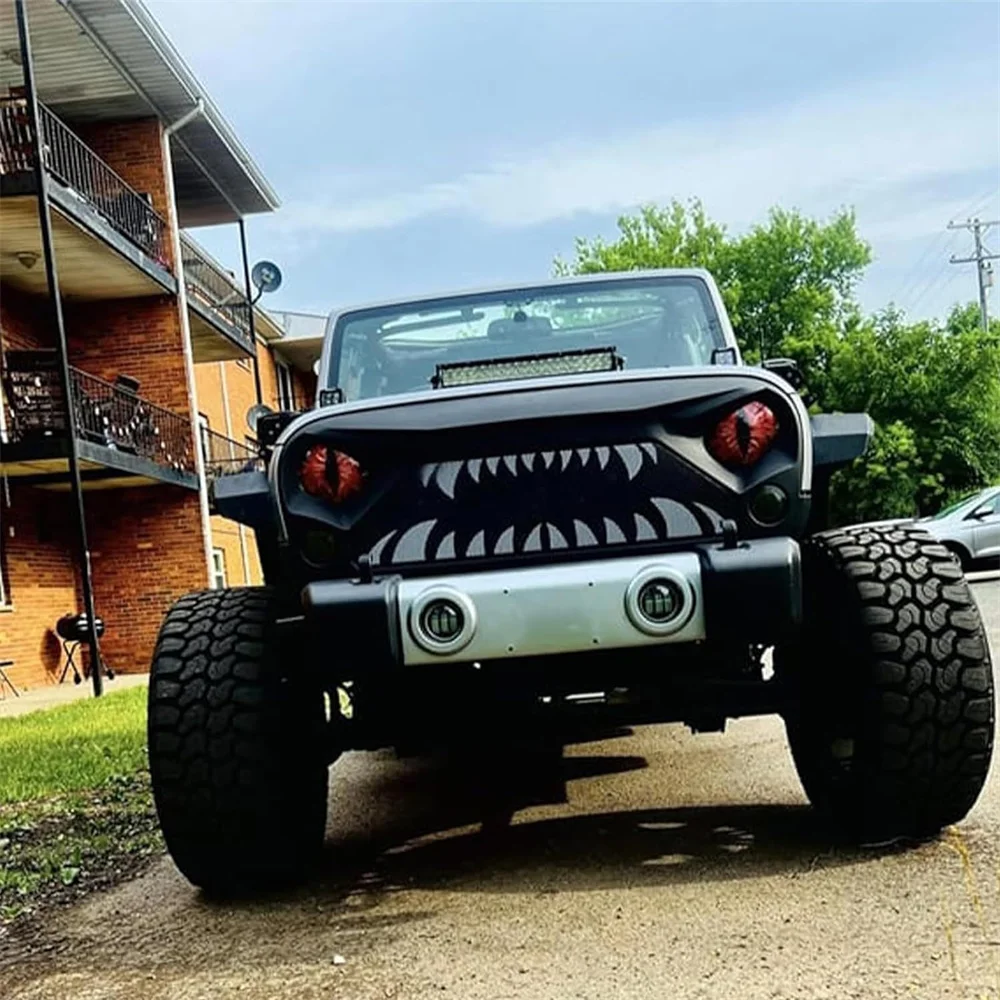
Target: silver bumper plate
(554, 609)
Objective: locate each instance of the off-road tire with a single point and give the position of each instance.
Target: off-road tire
(238, 771)
(890, 710)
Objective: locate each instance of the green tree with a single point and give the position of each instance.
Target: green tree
(787, 283)
(933, 389)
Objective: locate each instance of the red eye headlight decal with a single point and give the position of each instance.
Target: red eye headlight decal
(330, 475)
(744, 436)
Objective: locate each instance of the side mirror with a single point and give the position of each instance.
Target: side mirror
(786, 368)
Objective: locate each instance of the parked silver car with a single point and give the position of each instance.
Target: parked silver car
(970, 528)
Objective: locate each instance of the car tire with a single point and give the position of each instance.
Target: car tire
(961, 554)
(235, 744)
(890, 704)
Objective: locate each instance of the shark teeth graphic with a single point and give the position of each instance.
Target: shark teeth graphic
(631, 458)
(712, 516)
(492, 464)
(603, 454)
(564, 459)
(505, 543)
(446, 550)
(511, 462)
(477, 547)
(680, 522)
(584, 454)
(584, 536)
(447, 476)
(644, 531)
(378, 548)
(534, 540)
(528, 461)
(556, 538)
(412, 545)
(426, 471)
(547, 458)
(613, 533)
(474, 465)
(650, 449)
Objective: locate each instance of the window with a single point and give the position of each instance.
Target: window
(650, 322)
(218, 569)
(286, 395)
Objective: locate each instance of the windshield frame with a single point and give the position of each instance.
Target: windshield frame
(329, 373)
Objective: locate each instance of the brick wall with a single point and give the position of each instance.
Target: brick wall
(146, 552)
(134, 150)
(137, 337)
(42, 581)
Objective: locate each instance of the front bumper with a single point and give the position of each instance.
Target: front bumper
(751, 592)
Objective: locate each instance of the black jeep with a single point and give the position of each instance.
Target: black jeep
(544, 508)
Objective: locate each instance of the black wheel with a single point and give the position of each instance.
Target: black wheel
(890, 689)
(238, 768)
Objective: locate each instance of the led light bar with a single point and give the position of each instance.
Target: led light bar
(596, 359)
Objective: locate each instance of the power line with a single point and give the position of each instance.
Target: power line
(932, 285)
(980, 258)
(912, 279)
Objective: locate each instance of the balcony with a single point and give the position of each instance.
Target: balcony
(225, 457)
(109, 241)
(218, 308)
(122, 439)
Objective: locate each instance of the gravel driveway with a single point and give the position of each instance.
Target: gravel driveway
(679, 867)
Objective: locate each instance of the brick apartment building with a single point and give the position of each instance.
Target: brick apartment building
(110, 85)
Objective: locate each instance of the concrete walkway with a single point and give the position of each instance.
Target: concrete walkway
(60, 694)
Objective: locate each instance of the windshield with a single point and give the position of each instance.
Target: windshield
(651, 322)
(958, 505)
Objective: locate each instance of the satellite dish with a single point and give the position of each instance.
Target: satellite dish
(266, 276)
(254, 414)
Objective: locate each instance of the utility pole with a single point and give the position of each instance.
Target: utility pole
(980, 258)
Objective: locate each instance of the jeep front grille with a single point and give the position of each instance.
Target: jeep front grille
(542, 501)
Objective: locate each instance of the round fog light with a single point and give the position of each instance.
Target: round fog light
(659, 601)
(769, 505)
(442, 620)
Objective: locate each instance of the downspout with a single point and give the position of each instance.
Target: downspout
(182, 306)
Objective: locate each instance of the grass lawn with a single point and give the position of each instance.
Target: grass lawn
(75, 806)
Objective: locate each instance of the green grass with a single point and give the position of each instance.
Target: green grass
(76, 813)
(73, 747)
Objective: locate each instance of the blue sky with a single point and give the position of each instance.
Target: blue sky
(434, 146)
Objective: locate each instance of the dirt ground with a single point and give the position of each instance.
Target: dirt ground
(679, 867)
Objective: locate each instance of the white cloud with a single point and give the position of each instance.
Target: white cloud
(865, 147)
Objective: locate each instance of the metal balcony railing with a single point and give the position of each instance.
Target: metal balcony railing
(226, 457)
(108, 414)
(77, 167)
(215, 289)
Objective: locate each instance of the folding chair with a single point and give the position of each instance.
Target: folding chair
(5, 680)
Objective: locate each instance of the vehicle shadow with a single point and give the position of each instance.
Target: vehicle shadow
(445, 824)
